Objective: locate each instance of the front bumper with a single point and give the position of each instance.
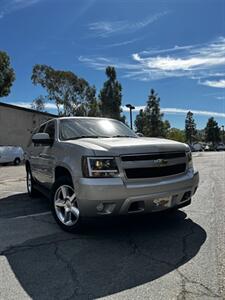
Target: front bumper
(113, 196)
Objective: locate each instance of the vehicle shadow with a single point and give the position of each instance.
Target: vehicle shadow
(17, 205)
(107, 258)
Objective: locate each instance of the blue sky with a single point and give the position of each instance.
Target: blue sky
(176, 47)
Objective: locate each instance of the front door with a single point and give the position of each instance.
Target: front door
(46, 160)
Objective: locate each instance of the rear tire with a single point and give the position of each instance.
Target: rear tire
(64, 205)
(32, 192)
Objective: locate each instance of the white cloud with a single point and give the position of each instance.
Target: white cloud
(192, 61)
(169, 50)
(14, 5)
(123, 43)
(215, 83)
(99, 64)
(167, 110)
(220, 97)
(106, 28)
(175, 64)
(196, 112)
(174, 111)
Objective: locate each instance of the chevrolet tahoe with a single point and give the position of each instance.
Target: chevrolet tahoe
(98, 166)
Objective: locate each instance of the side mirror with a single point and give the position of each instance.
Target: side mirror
(42, 138)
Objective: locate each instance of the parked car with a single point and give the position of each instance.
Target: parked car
(220, 147)
(197, 147)
(11, 154)
(98, 166)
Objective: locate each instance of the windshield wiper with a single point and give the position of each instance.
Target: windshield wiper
(86, 137)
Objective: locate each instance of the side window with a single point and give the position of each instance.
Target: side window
(41, 129)
(50, 129)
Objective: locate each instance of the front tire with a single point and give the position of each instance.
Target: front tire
(64, 205)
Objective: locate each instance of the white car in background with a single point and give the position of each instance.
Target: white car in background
(197, 147)
(220, 147)
(11, 154)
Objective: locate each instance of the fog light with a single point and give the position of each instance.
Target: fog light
(186, 196)
(105, 208)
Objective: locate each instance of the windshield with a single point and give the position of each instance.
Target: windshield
(93, 128)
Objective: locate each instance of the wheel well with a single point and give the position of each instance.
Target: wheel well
(61, 171)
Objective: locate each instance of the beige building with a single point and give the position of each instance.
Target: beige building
(17, 124)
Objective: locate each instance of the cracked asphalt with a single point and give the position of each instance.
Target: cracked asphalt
(164, 256)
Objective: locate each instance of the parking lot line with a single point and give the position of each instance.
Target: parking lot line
(12, 180)
(11, 193)
(33, 215)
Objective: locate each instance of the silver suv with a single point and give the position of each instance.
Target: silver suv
(98, 166)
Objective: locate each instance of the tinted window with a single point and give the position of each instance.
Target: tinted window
(41, 129)
(50, 129)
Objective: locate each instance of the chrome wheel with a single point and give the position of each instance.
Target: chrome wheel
(65, 205)
(29, 182)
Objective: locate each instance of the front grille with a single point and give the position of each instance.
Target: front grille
(155, 171)
(139, 157)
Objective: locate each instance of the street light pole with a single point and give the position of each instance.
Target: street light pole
(131, 107)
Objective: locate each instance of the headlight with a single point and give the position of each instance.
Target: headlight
(99, 167)
(189, 158)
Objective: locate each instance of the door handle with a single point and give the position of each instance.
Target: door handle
(43, 155)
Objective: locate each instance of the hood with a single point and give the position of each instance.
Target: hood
(120, 146)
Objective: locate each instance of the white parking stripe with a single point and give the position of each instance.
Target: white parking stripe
(12, 193)
(33, 215)
(13, 180)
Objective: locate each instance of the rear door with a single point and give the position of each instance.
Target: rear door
(6, 154)
(2, 154)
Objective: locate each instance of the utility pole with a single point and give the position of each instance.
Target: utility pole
(131, 107)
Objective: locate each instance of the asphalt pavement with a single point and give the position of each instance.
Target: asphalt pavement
(163, 256)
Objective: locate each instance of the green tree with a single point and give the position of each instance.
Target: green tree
(140, 121)
(153, 117)
(7, 74)
(190, 127)
(89, 105)
(72, 95)
(165, 128)
(176, 135)
(110, 96)
(212, 131)
(150, 120)
(38, 103)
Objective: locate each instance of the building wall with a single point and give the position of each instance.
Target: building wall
(16, 125)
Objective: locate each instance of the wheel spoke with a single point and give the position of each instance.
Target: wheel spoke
(73, 197)
(60, 203)
(67, 218)
(64, 191)
(75, 212)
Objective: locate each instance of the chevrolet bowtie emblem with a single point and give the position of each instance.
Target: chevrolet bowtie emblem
(160, 162)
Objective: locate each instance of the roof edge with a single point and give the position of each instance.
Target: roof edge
(27, 109)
